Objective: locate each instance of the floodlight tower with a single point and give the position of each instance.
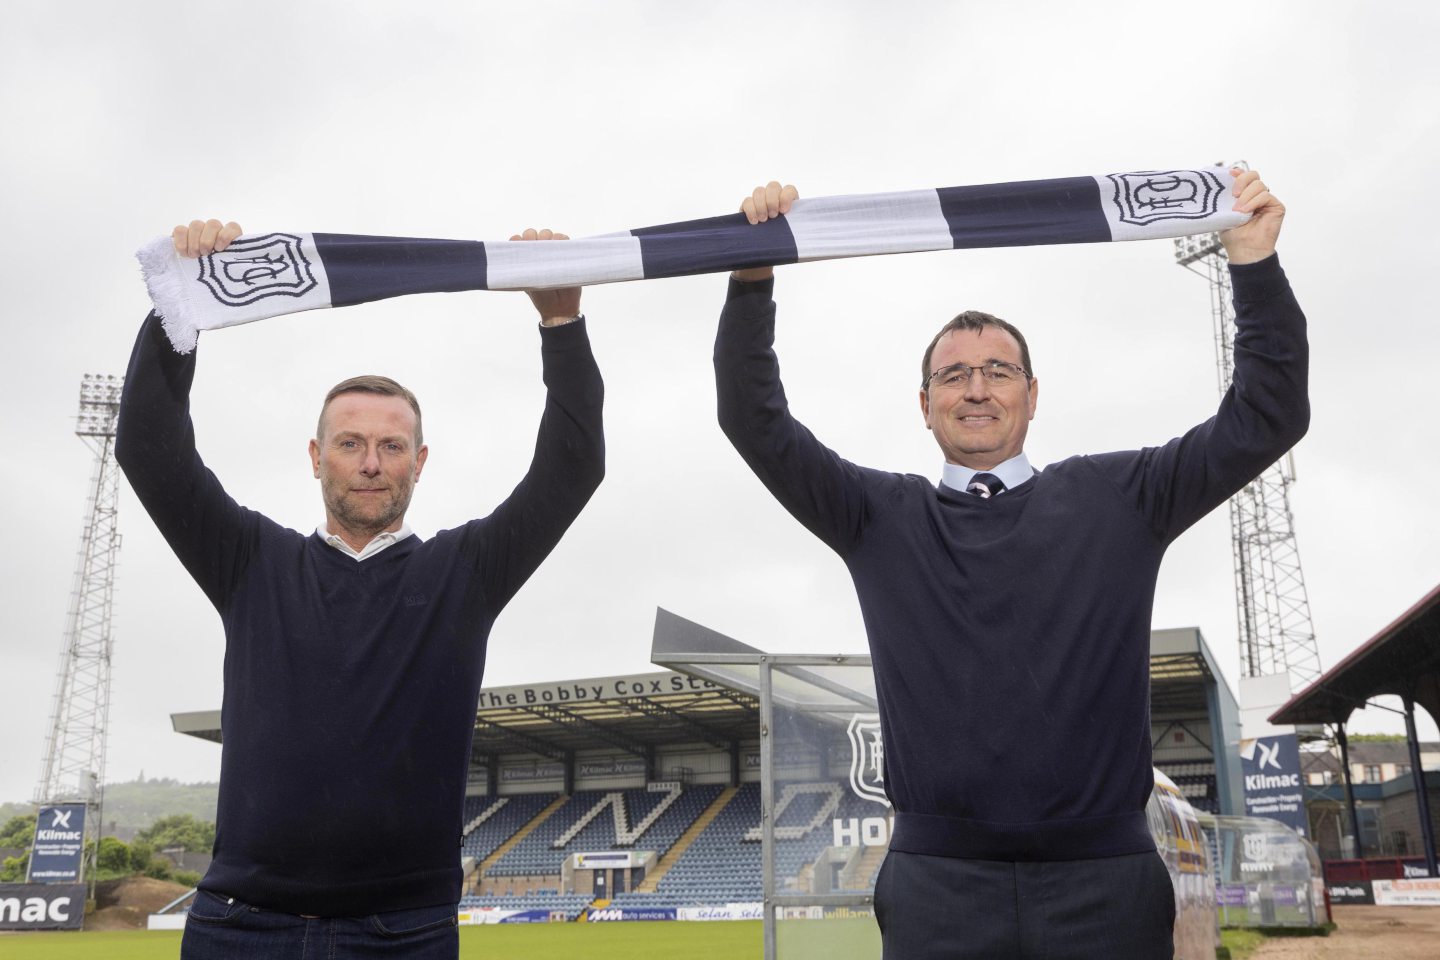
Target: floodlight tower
(74, 765)
(1273, 610)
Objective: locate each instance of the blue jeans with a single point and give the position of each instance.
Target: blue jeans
(223, 928)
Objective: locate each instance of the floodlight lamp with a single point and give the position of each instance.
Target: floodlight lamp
(1190, 249)
(100, 390)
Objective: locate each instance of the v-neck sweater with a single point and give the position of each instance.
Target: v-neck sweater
(350, 688)
(1010, 637)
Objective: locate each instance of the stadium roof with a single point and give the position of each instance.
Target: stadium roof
(1402, 660)
(833, 686)
(633, 713)
(717, 703)
(1182, 669)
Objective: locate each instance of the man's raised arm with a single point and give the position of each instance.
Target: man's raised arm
(569, 459)
(155, 443)
(819, 488)
(1265, 411)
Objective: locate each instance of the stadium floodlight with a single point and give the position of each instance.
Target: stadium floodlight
(99, 405)
(1190, 249)
(1276, 633)
(74, 765)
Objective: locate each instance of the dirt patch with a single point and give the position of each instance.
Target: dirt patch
(1365, 933)
(125, 904)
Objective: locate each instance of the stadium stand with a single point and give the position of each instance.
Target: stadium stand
(1197, 783)
(489, 822)
(723, 864)
(592, 820)
(667, 765)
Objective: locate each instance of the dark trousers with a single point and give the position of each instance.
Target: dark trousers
(1117, 908)
(222, 928)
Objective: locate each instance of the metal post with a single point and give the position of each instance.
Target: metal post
(767, 805)
(1422, 799)
(1220, 752)
(1344, 742)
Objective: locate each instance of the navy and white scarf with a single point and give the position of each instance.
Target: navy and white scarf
(269, 274)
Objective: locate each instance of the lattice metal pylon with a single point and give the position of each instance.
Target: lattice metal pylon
(1272, 609)
(74, 764)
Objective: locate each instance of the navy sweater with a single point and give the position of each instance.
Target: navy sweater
(350, 687)
(1010, 637)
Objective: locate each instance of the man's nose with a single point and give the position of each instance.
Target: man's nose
(370, 466)
(977, 387)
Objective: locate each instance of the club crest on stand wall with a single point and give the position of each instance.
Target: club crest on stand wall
(867, 758)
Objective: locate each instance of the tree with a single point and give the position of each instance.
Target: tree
(141, 853)
(179, 830)
(114, 856)
(18, 831)
(13, 869)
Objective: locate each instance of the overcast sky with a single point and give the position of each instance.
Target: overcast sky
(473, 120)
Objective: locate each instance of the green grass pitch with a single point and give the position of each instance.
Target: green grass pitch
(730, 940)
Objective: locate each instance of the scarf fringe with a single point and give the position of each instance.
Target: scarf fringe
(167, 292)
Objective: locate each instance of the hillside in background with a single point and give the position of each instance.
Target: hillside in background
(136, 804)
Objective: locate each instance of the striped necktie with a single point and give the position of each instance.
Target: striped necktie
(985, 485)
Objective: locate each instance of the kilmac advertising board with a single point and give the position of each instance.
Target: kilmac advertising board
(42, 906)
(59, 844)
(1271, 768)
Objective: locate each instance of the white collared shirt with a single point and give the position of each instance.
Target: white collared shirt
(381, 541)
(1012, 473)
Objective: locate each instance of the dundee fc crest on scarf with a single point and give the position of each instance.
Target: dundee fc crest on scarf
(253, 268)
(1144, 198)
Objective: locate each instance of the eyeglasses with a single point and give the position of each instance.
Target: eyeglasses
(995, 372)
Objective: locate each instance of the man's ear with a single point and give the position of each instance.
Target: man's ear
(420, 457)
(925, 406)
(315, 458)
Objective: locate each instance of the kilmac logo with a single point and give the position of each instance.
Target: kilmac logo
(1155, 195)
(253, 268)
(867, 758)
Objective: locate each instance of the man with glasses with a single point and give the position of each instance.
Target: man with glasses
(1008, 612)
